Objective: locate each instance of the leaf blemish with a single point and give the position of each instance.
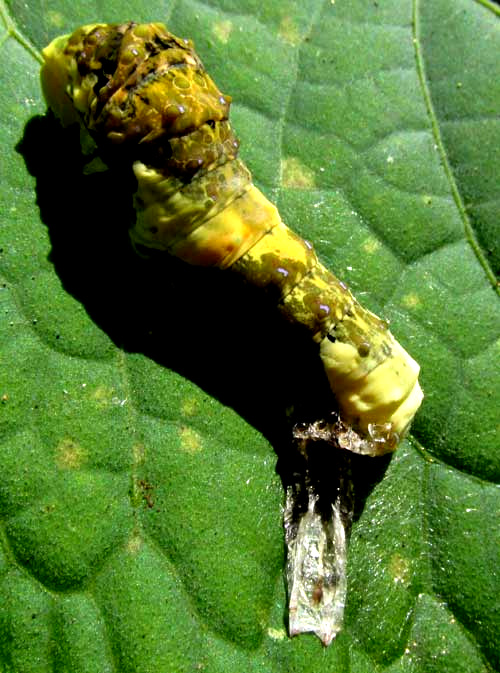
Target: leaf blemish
(371, 245)
(69, 455)
(189, 406)
(289, 31)
(56, 19)
(277, 634)
(134, 544)
(400, 569)
(139, 451)
(103, 395)
(411, 300)
(191, 441)
(296, 174)
(222, 30)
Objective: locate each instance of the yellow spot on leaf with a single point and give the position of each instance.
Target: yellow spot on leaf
(138, 451)
(400, 569)
(222, 30)
(289, 31)
(411, 300)
(56, 19)
(103, 395)
(189, 406)
(296, 174)
(69, 455)
(134, 543)
(277, 634)
(371, 245)
(191, 441)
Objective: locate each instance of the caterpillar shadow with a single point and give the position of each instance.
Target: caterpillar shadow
(207, 325)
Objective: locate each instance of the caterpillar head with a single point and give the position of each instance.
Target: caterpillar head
(130, 83)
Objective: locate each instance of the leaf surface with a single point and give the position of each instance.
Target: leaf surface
(143, 405)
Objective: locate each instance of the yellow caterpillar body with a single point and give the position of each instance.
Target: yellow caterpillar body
(139, 88)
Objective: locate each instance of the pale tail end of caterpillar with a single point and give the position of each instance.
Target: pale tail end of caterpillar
(137, 85)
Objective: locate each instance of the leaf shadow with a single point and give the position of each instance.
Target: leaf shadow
(207, 325)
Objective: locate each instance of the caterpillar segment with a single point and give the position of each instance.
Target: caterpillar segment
(140, 88)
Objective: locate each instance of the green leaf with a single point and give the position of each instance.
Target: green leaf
(143, 403)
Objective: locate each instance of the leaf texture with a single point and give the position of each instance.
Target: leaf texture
(143, 404)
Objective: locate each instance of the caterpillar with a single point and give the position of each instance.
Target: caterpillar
(139, 92)
(141, 95)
